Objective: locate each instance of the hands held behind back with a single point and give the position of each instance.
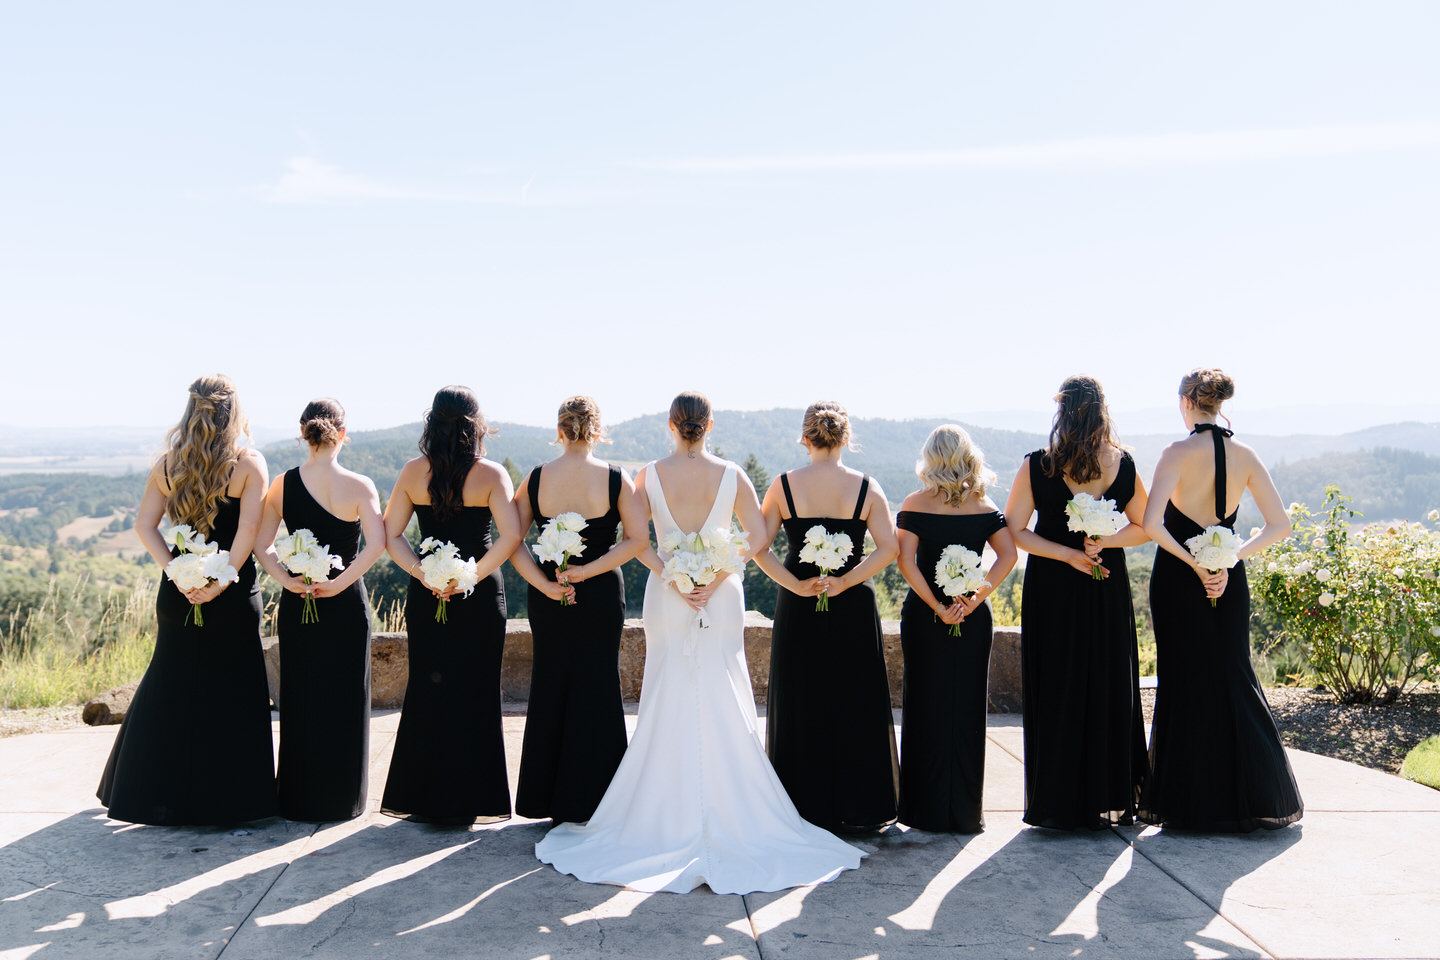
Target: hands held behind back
(1214, 583)
(1082, 561)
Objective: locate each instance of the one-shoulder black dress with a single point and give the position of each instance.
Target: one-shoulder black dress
(575, 721)
(1085, 758)
(324, 679)
(1217, 763)
(830, 732)
(449, 760)
(947, 680)
(195, 746)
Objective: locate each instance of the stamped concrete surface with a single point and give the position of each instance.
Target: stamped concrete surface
(1358, 877)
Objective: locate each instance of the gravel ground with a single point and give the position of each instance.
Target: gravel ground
(1375, 737)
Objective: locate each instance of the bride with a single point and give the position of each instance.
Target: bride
(695, 799)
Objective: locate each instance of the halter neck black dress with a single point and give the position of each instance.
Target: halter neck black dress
(324, 679)
(195, 746)
(830, 732)
(1085, 756)
(1217, 763)
(449, 760)
(575, 720)
(947, 682)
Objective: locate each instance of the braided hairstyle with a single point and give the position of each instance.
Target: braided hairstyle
(203, 449)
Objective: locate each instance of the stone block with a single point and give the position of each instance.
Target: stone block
(1005, 671)
(109, 707)
(389, 669)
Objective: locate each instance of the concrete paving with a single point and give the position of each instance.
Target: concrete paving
(1358, 877)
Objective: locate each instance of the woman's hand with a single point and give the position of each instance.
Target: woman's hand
(206, 593)
(559, 591)
(450, 590)
(1093, 548)
(700, 596)
(1214, 582)
(832, 586)
(952, 614)
(574, 573)
(324, 588)
(294, 584)
(968, 605)
(1080, 560)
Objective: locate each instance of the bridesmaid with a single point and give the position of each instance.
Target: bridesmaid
(1217, 759)
(575, 724)
(195, 746)
(325, 675)
(449, 759)
(830, 731)
(1085, 756)
(942, 772)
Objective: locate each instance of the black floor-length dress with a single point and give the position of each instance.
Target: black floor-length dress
(947, 679)
(448, 765)
(324, 679)
(575, 720)
(1085, 759)
(195, 746)
(830, 733)
(1215, 752)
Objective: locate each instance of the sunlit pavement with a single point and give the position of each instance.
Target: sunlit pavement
(1358, 877)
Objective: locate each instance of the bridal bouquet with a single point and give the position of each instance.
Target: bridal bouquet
(1215, 548)
(440, 566)
(559, 541)
(696, 559)
(828, 551)
(1095, 518)
(958, 574)
(302, 555)
(200, 562)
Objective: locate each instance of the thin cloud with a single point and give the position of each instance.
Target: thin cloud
(1145, 150)
(307, 180)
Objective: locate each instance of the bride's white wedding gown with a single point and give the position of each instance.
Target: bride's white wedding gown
(695, 799)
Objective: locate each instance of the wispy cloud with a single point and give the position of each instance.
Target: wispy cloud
(307, 180)
(1145, 150)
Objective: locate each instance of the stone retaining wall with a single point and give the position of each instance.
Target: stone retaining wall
(389, 663)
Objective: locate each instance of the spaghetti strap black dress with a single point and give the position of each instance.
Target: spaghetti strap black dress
(830, 732)
(1217, 763)
(575, 721)
(324, 679)
(195, 746)
(1085, 758)
(947, 681)
(449, 760)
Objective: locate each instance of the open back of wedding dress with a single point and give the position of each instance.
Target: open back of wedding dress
(695, 799)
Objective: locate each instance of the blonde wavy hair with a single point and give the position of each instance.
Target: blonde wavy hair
(952, 465)
(203, 448)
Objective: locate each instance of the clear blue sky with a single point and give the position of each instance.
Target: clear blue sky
(915, 208)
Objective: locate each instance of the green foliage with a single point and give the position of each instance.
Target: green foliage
(1391, 483)
(1365, 604)
(33, 506)
(1423, 763)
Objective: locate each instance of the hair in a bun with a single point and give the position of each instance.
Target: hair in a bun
(690, 413)
(826, 425)
(579, 421)
(322, 421)
(1207, 388)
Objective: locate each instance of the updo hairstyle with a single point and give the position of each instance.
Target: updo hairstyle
(322, 421)
(1207, 388)
(826, 425)
(203, 448)
(579, 421)
(690, 413)
(1081, 430)
(453, 440)
(952, 465)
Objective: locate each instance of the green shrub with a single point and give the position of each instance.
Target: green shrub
(1423, 763)
(1365, 604)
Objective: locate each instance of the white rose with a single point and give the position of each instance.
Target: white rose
(1433, 515)
(1323, 574)
(1435, 630)
(1399, 572)
(1326, 599)
(1303, 567)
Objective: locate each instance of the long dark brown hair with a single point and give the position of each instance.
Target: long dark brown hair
(1081, 430)
(453, 440)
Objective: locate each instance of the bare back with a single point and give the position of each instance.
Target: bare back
(572, 484)
(1110, 458)
(691, 486)
(480, 483)
(825, 490)
(338, 490)
(1194, 493)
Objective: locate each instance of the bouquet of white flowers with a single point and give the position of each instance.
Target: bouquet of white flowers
(302, 555)
(559, 541)
(828, 551)
(440, 566)
(696, 559)
(1216, 548)
(200, 562)
(1095, 518)
(958, 574)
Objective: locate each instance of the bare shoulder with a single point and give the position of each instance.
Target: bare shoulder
(876, 493)
(356, 484)
(917, 500)
(250, 463)
(988, 504)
